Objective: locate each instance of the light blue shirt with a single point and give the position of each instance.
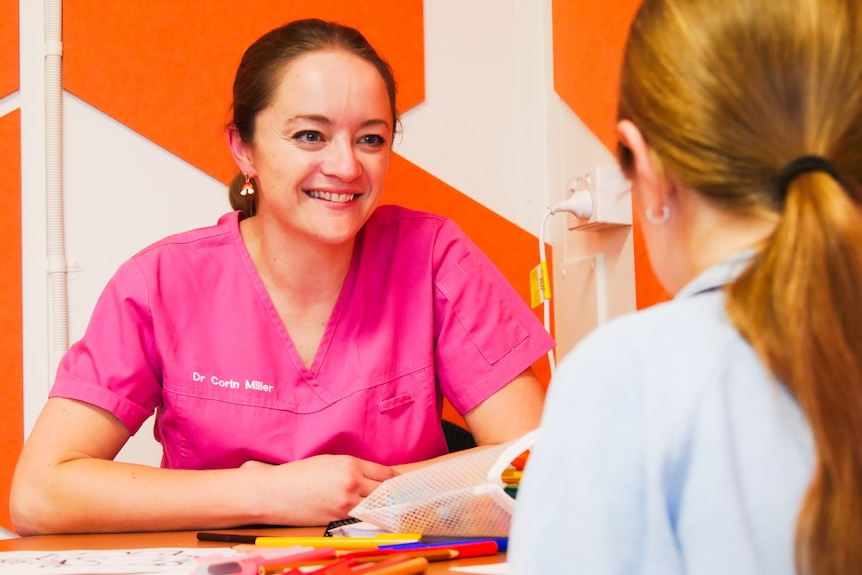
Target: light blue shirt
(665, 448)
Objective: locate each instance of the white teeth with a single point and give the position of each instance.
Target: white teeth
(330, 197)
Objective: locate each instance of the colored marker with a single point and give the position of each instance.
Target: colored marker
(339, 567)
(398, 565)
(511, 476)
(250, 564)
(362, 557)
(466, 549)
(521, 461)
(492, 545)
(333, 542)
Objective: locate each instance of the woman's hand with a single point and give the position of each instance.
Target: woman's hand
(319, 489)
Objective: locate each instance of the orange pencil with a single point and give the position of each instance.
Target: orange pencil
(362, 557)
(398, 565)
(340, 567)
(318, 556)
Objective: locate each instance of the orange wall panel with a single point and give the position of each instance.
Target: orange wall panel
(165, 68)
(8, 47)
(589, 39)
(11, 351)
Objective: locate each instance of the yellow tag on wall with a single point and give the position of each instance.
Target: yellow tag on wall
(540, 287)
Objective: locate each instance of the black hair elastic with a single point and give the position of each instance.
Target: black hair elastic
(801, 165)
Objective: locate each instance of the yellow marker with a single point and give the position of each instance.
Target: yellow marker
(331, 542)
(341, 542)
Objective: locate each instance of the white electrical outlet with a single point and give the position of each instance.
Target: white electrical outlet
(611, 199)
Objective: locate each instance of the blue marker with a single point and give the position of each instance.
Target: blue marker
(443, 541)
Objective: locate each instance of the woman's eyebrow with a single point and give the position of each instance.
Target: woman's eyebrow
(321, 119)
(375, 122)
(316, 118)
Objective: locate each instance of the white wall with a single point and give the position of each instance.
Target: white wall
(491, 126)
(481, 128)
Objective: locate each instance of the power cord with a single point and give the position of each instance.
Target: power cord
(579, 204)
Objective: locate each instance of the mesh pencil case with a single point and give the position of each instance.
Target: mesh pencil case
(462, 496)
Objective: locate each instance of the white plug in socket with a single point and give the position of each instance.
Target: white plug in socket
(611, 199)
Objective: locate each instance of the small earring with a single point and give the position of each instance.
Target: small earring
(247, 187)
(665, 216)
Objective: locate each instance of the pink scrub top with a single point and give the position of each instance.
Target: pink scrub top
(186, 329)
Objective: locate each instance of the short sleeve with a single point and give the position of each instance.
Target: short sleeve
(486, 335)
(114, 366)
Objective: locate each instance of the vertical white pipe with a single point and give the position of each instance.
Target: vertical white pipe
(58, 305)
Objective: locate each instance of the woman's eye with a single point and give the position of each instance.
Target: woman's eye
(308, 136)
(373, 139)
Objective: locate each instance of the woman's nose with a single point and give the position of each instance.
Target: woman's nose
(342, 161)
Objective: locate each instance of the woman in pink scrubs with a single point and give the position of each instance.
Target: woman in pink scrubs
(296, 353)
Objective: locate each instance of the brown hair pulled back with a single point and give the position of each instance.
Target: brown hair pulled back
(260, 68)
(727, 93)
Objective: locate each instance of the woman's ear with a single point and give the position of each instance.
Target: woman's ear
(239, 150)
(648, 175)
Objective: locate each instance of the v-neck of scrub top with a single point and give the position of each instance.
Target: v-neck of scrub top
(308, 373)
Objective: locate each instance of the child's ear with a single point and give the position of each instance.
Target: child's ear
(647, 175)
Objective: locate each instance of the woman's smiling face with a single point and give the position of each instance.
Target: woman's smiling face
(321, 150)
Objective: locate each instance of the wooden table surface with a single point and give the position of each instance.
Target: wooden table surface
(189, 539)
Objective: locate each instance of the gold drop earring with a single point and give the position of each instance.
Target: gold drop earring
(247, 187)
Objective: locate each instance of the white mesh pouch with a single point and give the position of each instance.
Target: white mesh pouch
(461, 496)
